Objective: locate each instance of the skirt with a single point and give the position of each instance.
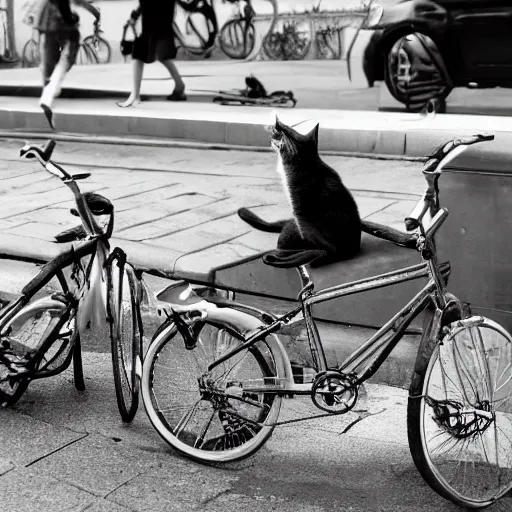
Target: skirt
(149, 48)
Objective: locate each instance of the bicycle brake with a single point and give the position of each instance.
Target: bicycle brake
(187, 332)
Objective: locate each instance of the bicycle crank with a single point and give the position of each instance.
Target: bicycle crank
(334, 392)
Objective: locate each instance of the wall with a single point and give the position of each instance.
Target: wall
(116, 12)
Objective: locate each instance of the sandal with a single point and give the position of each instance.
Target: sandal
(48, 114)
(177, 96)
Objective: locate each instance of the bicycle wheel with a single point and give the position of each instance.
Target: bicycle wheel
(210, 416)
(30, 57)
(101, 48)
(22, 340)
(460, 413)
(237, 39)
(125, 333)
(86, 55)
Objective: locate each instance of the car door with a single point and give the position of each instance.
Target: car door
(482, 32)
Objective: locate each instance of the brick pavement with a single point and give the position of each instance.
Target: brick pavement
(182, 199)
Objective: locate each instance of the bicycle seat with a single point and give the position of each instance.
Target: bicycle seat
(292, 258)
(98, 204)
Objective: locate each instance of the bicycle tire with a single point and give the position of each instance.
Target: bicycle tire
(231, 29)
(30, 56)
(125, 348)
(10, 392)
(234, 434)
(86, 55)
(95, 43)
(428, 422)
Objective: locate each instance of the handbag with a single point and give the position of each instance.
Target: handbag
(127, 44)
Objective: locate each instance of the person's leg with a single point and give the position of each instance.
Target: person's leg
(179, 85)
(50, 54)
(69, 48)
(134, 98)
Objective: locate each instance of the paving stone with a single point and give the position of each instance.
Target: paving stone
(106, 505)
(131, 189)
(394, 214)
(5, 466)
(258, 240)
(208, 234)
(165, 191)
(25, 439)
(368, 206)
(24, 181)
(160, 210)
(164, 228)
(95, 464)
(29, 491)
(37, 230)
(160, 491)
(201, 265)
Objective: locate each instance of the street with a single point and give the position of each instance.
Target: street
(68, 451)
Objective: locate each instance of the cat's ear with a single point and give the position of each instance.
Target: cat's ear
(277, 124)
(313, 134)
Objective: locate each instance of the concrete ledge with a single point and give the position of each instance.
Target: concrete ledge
(377, 257)
(343, 131)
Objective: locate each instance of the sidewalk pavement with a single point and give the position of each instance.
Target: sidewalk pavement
(66, 451)
(320, 87)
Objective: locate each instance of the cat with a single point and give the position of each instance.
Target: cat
(326, 225)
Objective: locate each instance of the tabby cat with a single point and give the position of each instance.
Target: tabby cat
(326, 225)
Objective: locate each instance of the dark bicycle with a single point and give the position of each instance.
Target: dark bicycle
(40, 337)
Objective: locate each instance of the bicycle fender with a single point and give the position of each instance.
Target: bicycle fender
(240, 322)
(434, 322)
(93, 302)
(42, 304)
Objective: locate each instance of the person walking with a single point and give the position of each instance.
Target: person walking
(156, 42)
(60, 40)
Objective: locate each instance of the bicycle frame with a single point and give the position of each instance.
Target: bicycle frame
(373, 352)
(63, 303)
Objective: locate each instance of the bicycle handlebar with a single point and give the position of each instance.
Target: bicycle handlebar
(43, 154)
(432, 170)
(447, 152)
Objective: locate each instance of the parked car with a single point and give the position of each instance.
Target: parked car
(422, 49)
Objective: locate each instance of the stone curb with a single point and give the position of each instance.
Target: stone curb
(406, 135)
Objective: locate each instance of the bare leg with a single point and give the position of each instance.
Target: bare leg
(50, 53)
(52, 89)
(134, 98)
(179, 85)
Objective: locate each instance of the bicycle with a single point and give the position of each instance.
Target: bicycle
(205, 9)
(31, 54)
(290, 44)
(40, 337)
(215, 373)
(99, 46)
(328, 42)
(7, 48)
(237, 37)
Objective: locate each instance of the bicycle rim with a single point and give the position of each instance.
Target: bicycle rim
(464, 416)
(237, 39)
(30, 54)
(124, 332)
(209, 416)
(24, 341)
(100, 47)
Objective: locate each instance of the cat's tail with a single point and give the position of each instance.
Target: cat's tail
(258, 223)
(393, 235)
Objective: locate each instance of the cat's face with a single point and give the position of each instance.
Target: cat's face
(288, 142)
